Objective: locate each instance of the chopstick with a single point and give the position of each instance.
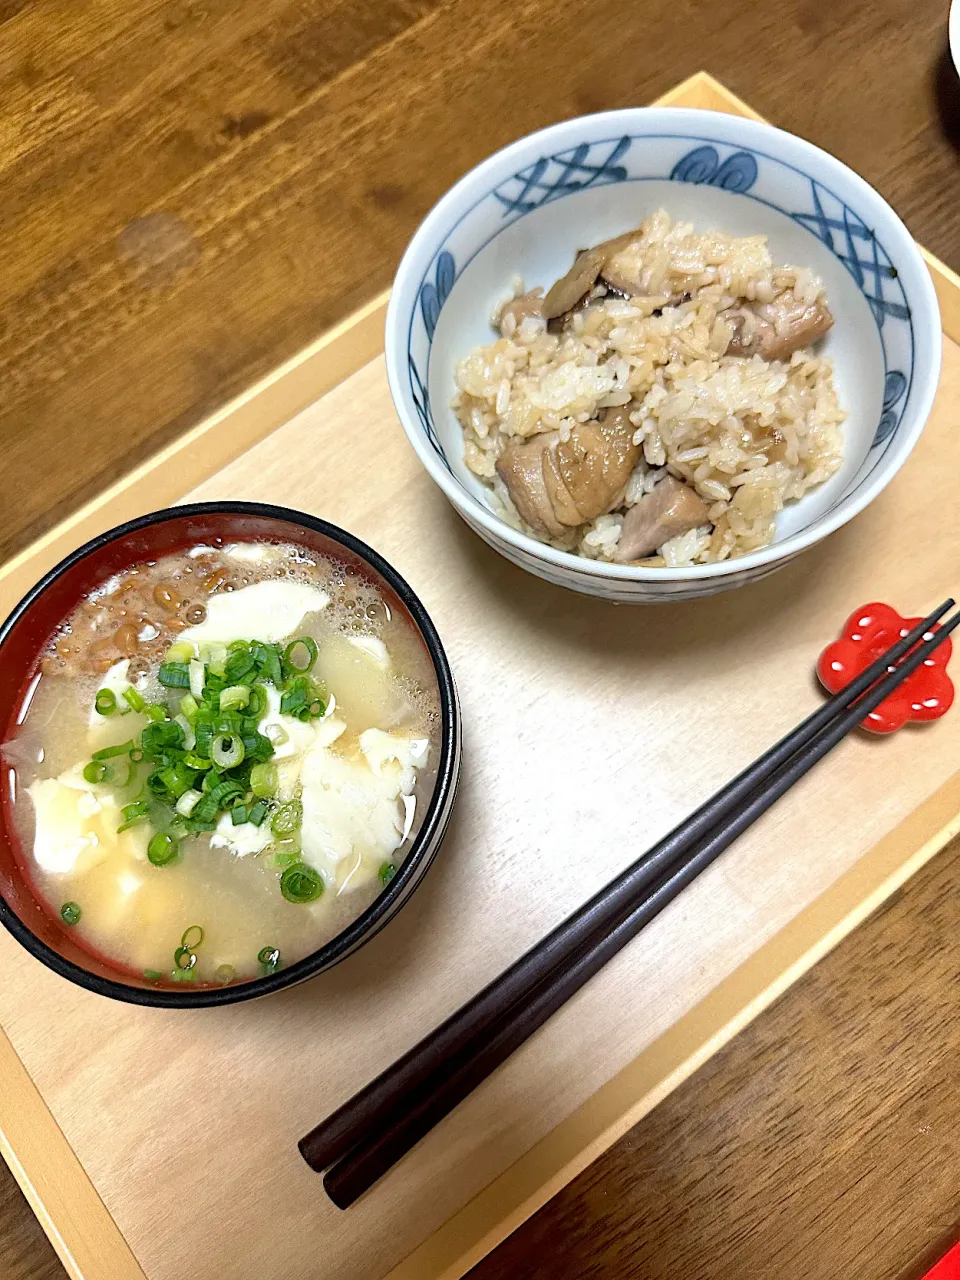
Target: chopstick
(408, 1098)
(379, 1150)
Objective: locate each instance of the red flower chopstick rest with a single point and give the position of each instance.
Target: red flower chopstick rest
(925, 695)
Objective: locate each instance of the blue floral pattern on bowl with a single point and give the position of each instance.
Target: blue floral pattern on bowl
(737, 173)
(700, 161)
(551, 177)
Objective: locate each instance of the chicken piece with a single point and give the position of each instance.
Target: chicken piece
(582, 276)
(596, 462)
(520, 467)
(780, 327)
(671, 508)
(557, 485)
(527, 305)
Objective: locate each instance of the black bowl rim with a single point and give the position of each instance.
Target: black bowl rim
(377, 914)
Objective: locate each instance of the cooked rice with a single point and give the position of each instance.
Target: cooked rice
(747, 433)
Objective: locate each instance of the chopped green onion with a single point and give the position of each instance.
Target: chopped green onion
(189, 737)
(206, 809)
(187, 803)
(157, 784)
(387, 872)
(204, 733)
(193, 761)
(230, 722)
(240, 663)
(226, 793)
(94, 771)
(282, 854)
(226, 751)
(105, 703)
(269, 957)
(300, 883)
(267, 657)
(296, 696)
(215, 657)
(118, 773)
(212, 689)
(237, 695)
(184, 958)
(257, 702)
(181, 651)
(152, 975)
(157, 737)
(183, 975)
(136, 701)
(264, 780)
(136, 755)
(287, 818)
(257, 813)
(105, 753)
(257, 746)
(189, 707)
(238, 814)
(175, 778)
(197, 678)
(174, 675)
(292, 654)
(156, 712)
(70, 913)
(276, 735)
(225, 972)
(192, 937)
(162, 849)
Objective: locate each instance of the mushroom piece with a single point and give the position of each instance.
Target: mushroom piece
(558, 484)
(669, 509)
(779, 327)
(525, 306)
(564, 295)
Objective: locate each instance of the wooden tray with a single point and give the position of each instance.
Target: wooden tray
(162, 1145)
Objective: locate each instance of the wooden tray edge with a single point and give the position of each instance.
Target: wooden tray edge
(84, 1235)
(87, 1240)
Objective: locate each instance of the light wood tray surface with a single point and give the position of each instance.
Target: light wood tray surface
(164, 1144)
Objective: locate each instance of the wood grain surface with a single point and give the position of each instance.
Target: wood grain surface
(195, 190)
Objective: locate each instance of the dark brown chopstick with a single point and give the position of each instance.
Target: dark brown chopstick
(425, 1106)
(373, 1104)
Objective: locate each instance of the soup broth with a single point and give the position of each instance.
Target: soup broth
(223, 760)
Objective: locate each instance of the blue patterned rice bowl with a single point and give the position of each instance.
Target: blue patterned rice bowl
(528, 209)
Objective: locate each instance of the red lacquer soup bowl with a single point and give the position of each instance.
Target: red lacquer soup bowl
(26, 635)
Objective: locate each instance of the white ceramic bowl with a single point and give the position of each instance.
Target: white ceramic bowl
(526, 210)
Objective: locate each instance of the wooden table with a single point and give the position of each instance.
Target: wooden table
(194, 190)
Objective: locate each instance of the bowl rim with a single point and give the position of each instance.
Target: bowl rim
(437, 225)
(424, 846)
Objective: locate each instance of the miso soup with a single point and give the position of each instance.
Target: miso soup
(223, 760)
